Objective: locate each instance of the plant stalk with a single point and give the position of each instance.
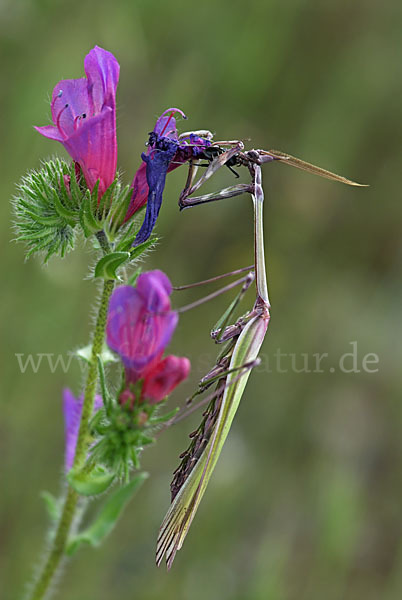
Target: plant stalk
(70, 504)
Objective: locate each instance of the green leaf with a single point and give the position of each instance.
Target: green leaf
(68, 215)
(47, 221)
(106, 200)
(108, 515)
(120, 206)
(106, 397)
(52, 505)
(92, 483)
(88, 221)
(108, 265)
(132, 280)
(75, 189)
(163, 418)
(106, 355)
(138, 250)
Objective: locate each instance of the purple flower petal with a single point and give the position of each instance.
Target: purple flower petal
(140, 191)
(50, 132)
(165, 126)
(90, 146)
(155, 289)
(70, 102)
(102, 71)
(157, 166)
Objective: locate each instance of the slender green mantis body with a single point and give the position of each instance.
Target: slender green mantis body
(241, 354)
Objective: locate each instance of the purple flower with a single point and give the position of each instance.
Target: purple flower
(84, 117)
(72, 409)
(139, 327)
(166, 151)
(157, 165)
(140, 320)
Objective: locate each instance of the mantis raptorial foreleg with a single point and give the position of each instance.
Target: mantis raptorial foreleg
(230, 192)
(218, 162)
(235, 155)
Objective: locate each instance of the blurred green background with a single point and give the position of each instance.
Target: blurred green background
(306, 500)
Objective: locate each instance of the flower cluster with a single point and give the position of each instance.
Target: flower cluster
(140, 320)
(140, 325)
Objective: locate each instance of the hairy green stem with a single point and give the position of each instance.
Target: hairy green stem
(58, 546)
(70, 504)
(92, 376)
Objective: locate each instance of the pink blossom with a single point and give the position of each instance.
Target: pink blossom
(84, 117)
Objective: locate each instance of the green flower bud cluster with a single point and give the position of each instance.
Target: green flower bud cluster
(122, 429)
(53, 203)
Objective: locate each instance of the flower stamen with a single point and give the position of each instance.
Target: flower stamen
(58, 124)
(167, 123)
(59, 95)
(77, 119)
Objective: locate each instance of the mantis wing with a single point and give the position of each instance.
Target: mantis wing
(178, 519)
(305, 166)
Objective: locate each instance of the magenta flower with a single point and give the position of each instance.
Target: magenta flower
(162, 376)
(84, 117)
(72, 408)
(165, 153)
(139, 327)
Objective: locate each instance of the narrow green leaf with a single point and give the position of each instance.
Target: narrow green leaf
(94, 198)
(108, 515)
(165, 417)
(108, 265)
(138, 250)
(120, 209)
(35, 236)
(46, 221)
(134, 276)
(88, 221)
(86, 230)
(92, 483)
(52, 505)
(67, 196)
(106, 200)
(76, 192)
(107, 398)
(68, 215)
(127, 239)
(30, 192)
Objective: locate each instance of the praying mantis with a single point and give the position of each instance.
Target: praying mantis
(243, 341)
